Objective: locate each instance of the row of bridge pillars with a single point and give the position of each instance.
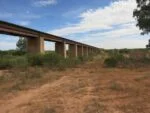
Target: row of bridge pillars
(74, 50)
(36, 45)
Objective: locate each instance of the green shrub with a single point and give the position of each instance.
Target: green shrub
(127, 58)
(122, 51)
(19, 53)
(110, 62)
(12, 61)
(35, 60)
(48, 59)
(12, 52)
(69, 62)
(52, 59)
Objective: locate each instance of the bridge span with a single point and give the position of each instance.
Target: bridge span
(35, 41)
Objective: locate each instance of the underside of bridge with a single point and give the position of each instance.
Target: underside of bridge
(35, 41)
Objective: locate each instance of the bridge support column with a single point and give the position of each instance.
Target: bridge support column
(80, 50)
(60, 48)
(89, 50)
(92, 51)
(96, 51)
(35, 45)
(73, 52)
(85, 51)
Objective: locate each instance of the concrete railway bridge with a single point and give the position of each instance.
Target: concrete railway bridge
(35, 41)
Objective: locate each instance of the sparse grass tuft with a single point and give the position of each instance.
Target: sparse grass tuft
(142, 78)
(19, 79)
(94, 107)
(115, 86)
(48, 110)
(2, 78)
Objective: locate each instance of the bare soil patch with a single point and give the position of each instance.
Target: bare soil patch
(89, 88)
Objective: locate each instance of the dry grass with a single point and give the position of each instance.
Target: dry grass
(94, 106)
(147, 76)
(88, 88)
(115, 86)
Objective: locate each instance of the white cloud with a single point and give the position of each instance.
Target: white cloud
(7, 45)
(112, 26)
(127, 42)
(24, 23)
(119, 12)
(29, 16)
(126, 36)
(42, 3)
(7, 42)
(49, 45)
(73, 12)
(125, 30)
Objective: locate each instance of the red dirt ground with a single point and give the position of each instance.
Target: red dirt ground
(86, 89)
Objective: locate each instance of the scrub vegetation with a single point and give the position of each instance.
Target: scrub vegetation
(128, 58)
(18, 59)
(48, 83)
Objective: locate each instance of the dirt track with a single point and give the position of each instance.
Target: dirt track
(86, 89)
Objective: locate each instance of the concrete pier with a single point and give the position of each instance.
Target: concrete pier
(73, 51)
(80, 50)
(35, 45)
(60, 48)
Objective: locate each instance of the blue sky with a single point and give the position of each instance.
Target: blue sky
(101, 23)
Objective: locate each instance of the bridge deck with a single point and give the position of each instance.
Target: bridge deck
(17, 30)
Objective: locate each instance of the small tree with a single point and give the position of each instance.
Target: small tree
(142, 15)
(21, 44)
(148, 45)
